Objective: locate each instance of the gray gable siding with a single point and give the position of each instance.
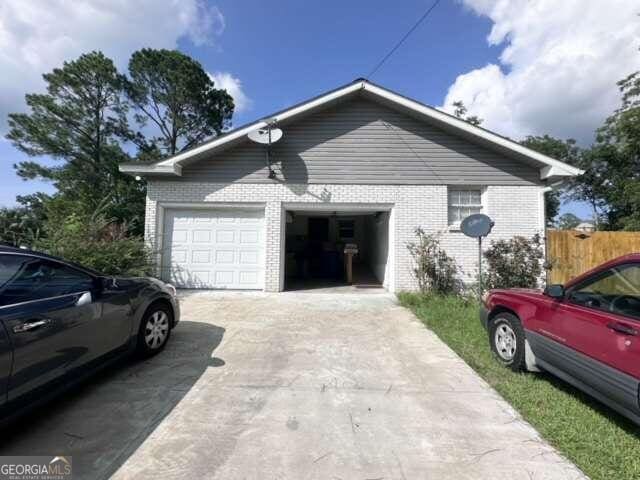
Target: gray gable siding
(362, 142)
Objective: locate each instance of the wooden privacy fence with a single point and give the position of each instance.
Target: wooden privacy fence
(572, 253)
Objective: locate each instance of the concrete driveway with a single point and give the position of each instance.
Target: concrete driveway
(291, 386)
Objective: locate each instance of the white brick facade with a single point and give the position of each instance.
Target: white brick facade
(516, 210)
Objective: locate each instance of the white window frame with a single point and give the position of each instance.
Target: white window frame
(455, 226)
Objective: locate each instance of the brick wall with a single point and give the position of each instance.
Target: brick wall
(516, 210)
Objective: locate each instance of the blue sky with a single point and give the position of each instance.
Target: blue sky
(283, 52)
(289, 53)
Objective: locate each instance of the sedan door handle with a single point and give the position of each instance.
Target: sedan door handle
(622, 328)
(28, 326)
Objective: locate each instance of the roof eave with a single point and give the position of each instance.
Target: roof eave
(553, 173)
(173, 169)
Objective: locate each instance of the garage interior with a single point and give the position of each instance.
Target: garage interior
(318, 246)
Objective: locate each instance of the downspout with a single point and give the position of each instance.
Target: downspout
(543, 216)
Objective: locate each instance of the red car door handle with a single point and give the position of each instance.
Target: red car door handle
(622, 328)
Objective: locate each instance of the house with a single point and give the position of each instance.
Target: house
(586, 227)
(356, 165)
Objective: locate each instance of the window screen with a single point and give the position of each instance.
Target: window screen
(462, 203)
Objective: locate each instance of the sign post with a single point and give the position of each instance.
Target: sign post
(477, 226)
(480, 265)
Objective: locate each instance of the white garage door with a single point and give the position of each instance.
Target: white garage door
(214, 248)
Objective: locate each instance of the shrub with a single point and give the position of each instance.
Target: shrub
(18, 226)
(98, 243)
(514, 263)
(434, 270)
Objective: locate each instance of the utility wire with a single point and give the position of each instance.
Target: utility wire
(406, 35)
(388, 126)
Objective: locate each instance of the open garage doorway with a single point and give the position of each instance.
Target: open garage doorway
(318, 245)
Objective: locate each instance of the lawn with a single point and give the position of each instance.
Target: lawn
(599, 441)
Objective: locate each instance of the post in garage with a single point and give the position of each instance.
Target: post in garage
(350, 249)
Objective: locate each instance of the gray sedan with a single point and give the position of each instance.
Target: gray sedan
(61, 322)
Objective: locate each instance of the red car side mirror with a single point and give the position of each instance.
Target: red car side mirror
(555, 291)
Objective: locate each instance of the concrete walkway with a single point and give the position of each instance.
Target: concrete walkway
(293, 386)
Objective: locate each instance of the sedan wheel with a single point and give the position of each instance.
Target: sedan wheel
(156, 329)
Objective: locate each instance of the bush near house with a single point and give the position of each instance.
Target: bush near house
(599, 441)
(434, 270)
(95, 242)
(514, 263)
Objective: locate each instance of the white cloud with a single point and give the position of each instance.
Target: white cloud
(558, 69)
(233, 86)
(38, 35)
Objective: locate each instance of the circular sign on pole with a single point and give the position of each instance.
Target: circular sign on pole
(476, 225)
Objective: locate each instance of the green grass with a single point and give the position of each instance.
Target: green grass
(600, 442)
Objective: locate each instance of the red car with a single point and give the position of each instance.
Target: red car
(586, 332)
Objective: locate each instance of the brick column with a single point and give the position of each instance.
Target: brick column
(273, 242)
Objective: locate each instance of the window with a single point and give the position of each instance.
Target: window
(346, 229)
(616, 291)
(24, 278)
(462, 203)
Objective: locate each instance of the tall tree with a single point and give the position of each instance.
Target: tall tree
(564, 150)
(568, 221)
(611, 182)
(460, 111)
(172, 91)
(616, 162)
(594, 185)
(79, 122)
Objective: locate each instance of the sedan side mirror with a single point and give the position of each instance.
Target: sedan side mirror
(84, 299)
(109, 283)
(555, 291)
